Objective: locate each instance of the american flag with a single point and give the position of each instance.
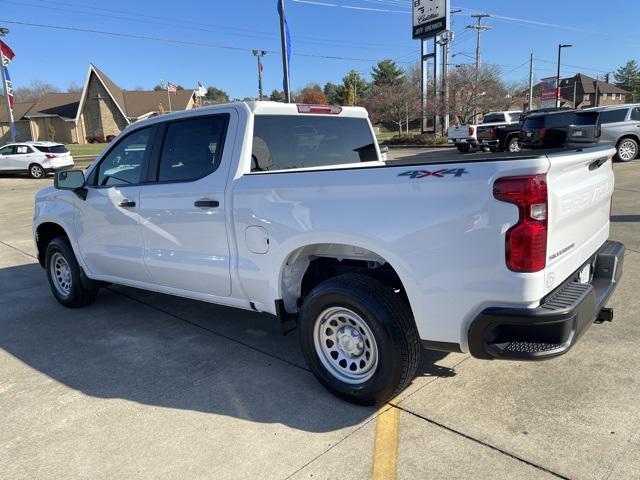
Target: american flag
(171, 88)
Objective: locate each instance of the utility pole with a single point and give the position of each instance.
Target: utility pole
(479, 28)
(12, 128)
(259, 54)
(531, 82)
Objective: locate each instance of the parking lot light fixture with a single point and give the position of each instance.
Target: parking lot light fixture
(560, 47)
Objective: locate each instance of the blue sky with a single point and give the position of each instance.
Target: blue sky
(603, 39)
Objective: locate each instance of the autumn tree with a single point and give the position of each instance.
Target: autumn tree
(396, 103)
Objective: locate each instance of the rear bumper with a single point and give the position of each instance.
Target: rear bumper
(466, 141)
(59, 169)
(556, 325)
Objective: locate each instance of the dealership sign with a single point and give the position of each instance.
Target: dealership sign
(429, 17)
(549, 89)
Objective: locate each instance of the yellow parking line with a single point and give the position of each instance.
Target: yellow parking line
(385, 450)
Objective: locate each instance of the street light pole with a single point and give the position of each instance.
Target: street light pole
(560, 47)
(259, 54)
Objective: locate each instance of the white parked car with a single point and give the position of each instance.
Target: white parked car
(35, 158)
(290, 210)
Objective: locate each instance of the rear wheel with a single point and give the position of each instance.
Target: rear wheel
(463, 147)
(36, 171)
(627, 150)
(65, 277)
(359, 339)
(513, 146)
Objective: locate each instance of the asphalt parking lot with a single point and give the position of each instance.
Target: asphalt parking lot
(141, 385)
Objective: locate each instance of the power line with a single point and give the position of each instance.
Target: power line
(178, 41)
(166, 21)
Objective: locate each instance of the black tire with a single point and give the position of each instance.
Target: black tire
(36, 171)
(494, 149)
(463, 147)
(388, 319)
(625, 150)
(513, 146)
(77, 295)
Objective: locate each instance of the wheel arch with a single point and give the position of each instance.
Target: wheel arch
(307, 265)
(44, 233)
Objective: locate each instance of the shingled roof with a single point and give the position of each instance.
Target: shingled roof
(587, 85)
(20, 110)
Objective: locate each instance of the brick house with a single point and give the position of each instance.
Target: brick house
(586, 92)
(100, 110)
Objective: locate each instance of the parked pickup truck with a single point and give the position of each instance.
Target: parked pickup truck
(505, 137)
(288, 209)
(465, 137)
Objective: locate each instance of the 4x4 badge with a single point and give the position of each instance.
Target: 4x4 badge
(456, 172)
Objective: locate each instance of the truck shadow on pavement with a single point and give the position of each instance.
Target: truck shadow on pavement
(169, 352)
(625, 218)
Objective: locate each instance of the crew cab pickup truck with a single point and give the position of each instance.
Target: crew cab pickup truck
(466, 137)
(288, 209)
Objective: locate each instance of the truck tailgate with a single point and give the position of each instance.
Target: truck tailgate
(458, 132)
(580, 185)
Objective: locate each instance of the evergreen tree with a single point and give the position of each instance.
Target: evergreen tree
(276, 96)
(628, 77)
(386, 72)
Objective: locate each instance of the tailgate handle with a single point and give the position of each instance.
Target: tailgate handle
(598, 163)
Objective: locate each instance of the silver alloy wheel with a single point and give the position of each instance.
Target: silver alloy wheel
(345, 345)
(61, 274)
(36, 171)
(514, 147)
(628, 150)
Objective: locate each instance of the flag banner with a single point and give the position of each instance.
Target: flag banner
(9, 87)
(7, 53)
(171, 88)
(201, 91)
(287, 36)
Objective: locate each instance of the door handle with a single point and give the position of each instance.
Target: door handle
(127, 203)
(207, 203)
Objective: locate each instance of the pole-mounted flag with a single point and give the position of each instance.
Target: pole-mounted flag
(285, 37)
(6, 55)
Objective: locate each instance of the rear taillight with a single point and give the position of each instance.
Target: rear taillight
(494, 132)
(598, 131)
(326, 109)
(51, 155)
(472, 131)
(526, 241)
(543, 133)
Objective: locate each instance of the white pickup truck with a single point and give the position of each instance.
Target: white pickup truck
(465, 137)
(289, 209)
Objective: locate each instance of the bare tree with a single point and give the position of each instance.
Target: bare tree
(35, 91)
(490, 94)
(397, 104)
(74, 88)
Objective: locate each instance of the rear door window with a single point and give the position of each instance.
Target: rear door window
(587, 118)
(635, 114)
(613, 116)
(283, 142)
(22, 149)
(559, 120)
(493, 118)
(192, 148)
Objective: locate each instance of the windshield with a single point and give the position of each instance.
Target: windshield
(51, 149)
(533, 123)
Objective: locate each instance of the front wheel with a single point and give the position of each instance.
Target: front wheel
(627, 150)
(36, 171)
(359, 339)
(64, 275)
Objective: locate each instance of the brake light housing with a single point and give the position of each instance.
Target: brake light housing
(543, 133)
(472, 131)
(526, 241)
(321, 109)
(51, 155)
(494, 132)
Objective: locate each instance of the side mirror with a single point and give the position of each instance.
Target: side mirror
(71, 180)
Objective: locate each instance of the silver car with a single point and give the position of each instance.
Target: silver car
(617, 125)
